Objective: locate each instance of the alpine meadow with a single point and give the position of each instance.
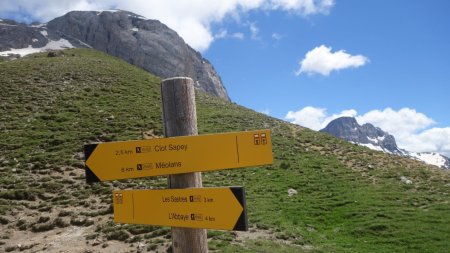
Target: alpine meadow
(321, 194)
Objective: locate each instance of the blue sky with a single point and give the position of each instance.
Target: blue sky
(310, 61)
(407, 44)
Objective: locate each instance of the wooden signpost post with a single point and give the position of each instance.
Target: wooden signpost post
(187, 207)
(180, 118)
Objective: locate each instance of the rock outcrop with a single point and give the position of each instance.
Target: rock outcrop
(146, 43)
(347, 128)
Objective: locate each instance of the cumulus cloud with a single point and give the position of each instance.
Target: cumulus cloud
(191, 19)
(316, 118)
(401, 123)
(430, 140)
(412, 130)
(321, 60)
(29, 10)
(309, 116)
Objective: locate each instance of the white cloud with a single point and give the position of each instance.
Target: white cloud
(412, 130)
(430, 140)
(316, 118)
(401, 123)
(309, 116)
(191, 19)
(254, 31)
(223, 34)
(239, 36)
(322, 61)
(303, 7)
(276, 36)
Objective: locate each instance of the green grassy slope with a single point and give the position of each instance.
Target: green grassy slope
(350, 199)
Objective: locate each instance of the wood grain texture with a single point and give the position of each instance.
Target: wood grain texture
(180, 119)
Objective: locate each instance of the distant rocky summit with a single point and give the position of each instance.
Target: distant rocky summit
(148, 44)
(347, 128)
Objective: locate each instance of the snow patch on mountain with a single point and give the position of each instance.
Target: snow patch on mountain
(371, 146)
(38, 25)
(426, 157)
(51, 45)
(112, 11)
(367, 135)
(430, 158)
(4, 24)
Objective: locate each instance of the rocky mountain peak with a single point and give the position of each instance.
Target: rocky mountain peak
(347, 128)
(344, 127)
(146, 43)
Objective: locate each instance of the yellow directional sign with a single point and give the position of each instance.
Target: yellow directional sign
(214, 208)
(186, 154)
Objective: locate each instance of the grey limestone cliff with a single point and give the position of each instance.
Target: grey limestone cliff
(148, 44)
(16, 35)
(347, 128)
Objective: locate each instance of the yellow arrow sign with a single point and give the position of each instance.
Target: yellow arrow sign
(134, 159)
(214, 208)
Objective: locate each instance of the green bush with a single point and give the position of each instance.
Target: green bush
(64, 213)
(22, 224)
(81, 221)
(118, 235)
(10, 248)
(4, 220)
(61, 223)
(42, 227)
(43, 219)
(20, 194)
(139, 229)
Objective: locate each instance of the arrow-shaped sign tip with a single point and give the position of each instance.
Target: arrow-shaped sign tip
(90, 176)
(242, 221)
